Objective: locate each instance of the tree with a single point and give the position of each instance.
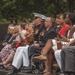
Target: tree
(25, 8)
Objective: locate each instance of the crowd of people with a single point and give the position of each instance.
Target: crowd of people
(52, 37)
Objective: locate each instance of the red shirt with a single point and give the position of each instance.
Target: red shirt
(64, 29)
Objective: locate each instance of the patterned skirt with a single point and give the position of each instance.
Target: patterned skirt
(5, 52)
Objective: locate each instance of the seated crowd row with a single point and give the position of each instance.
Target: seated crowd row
(53, 38)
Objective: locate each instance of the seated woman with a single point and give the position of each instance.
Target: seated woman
(6, 37)
(9, 50)
(5, 51)
(71, 37)
(21, 55)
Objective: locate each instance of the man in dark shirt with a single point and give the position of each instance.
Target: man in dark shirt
(49, 33)
(37, 28)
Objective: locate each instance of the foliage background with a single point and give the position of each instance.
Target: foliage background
(25, 8)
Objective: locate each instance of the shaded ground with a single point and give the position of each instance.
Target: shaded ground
(3, 72)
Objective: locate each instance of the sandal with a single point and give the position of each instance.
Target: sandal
(41, 57)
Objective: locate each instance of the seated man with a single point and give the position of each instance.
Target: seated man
(68, 58)
(50, 33)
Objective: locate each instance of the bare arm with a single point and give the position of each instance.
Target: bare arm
(71, 31)
(22, 36)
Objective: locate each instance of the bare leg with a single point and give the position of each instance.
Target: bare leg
(45, 51)
(9, 59)
(49, 64)
(47, 47)
(50, 61)
(46, 66)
